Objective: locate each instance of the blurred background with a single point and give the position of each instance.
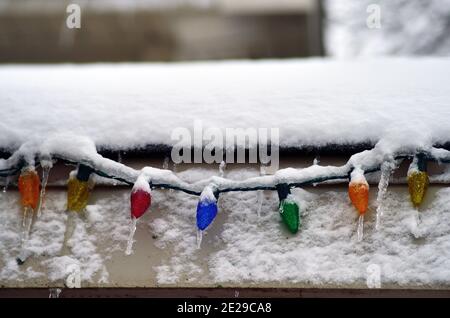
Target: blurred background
(35, 31)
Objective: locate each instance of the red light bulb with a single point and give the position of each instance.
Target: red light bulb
(140, 202)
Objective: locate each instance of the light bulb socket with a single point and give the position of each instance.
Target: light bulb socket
(84, 172)
(421, 162)
(283, 191)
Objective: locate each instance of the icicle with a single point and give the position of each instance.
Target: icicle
(222, 168)
(45, 174)
(165, 165)
(27, 220)
(260, 202)
(199, 238)
(7, 181)
(417, 218)
(262, 172)
(316, 160)
(130, 241)
(360, 231)
(71, 223)
(386, 171)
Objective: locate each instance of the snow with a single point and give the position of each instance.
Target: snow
(357, 176)
(141, 184)
(314, 102)
(207, 195)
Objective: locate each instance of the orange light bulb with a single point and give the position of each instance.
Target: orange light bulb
(358, 191)
(29, 184)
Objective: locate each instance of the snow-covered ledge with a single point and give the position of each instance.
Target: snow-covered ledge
(68, 112)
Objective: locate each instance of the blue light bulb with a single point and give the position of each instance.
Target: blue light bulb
(206, 212)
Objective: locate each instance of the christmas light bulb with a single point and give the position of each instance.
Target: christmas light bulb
(358, 191)
(418, 179)
(289, 210)
(29, 191)
(29, 184)
(417, 185)
(290, 214)
(78, 189)
(206, 212)
(141, 198)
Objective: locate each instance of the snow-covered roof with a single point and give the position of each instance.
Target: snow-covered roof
(313, 102)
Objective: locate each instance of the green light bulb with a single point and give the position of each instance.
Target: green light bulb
(290, 214)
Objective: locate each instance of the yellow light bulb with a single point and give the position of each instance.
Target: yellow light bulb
(77, 194)
(417, 184)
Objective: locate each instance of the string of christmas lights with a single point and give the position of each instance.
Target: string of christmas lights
(80, 183)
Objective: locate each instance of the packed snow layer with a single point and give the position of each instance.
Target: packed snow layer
(313, 102)
(239, 248)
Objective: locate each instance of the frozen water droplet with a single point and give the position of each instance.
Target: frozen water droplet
(130, 241)
(360, 231)
(199, 238)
